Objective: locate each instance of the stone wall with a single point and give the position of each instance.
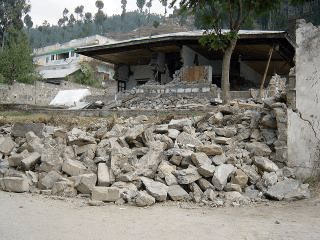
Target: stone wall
(304, 123)
(40, 93)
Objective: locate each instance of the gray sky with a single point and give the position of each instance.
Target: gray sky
(51, 10)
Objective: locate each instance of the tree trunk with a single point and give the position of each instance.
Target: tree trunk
(225, 83)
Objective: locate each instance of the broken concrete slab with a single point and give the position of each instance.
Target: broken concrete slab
(200, 158)
(15, 184)
(30, 161)
(156, 189)
(73, 167)
(105, 194)
(177, 193)
(187, 176)
(265, 164)
(185, 139)
(206, 170)
(143, 199)
(15, 159)
(221, 175)
(105, 175)
(210, 149)
(6, 145)
(47, 180)
(20, 129)
(180, 123)
(258, 149)
(84, 183)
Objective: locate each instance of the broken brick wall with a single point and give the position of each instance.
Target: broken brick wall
(304, 121)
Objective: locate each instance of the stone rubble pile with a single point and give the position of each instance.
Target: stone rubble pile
(232, 156)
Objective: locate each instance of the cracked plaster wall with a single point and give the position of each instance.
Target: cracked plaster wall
(304, 124)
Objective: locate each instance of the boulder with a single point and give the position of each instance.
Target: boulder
(219, 159)
(105, 194)
(162, 129)
(187, 176)
(51, 160)
(196, 192)
(185, 139)
(223, 140)
(177, 193)
(288, 189)
(6, 145)
(156, 189)
(79, 137)
(170, 179)
(221, 175)
(105, 175)
(143, 199)
(30, 161)
(251, 173)
(34, 143)
(205, 184)
(173, 133)
(226, 131)
(258, 149)
(179, 123)
(64, 188)
(269, 121)
(73, 167)
(84, 183)
(165, 168)
(265, 164)
(240, 178)
(88, 150)
(20, 129)
(269, 179)
(206, 170)
(47, 181)
(15, 184)
(200, 159)
(15, 159)
(210, 149)
(134, 132)
(230, 187)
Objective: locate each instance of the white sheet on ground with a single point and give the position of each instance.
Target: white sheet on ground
(69, 98)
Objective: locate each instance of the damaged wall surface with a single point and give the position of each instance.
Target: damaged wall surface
(304, 125)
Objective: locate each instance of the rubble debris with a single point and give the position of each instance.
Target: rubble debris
(225, 157)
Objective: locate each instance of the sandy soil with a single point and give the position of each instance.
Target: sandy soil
(26, 216)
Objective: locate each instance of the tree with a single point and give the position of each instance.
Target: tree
(11, 12)
(233, 13)
(165, 4)
(99, 4)
(79, 11)
(123, 6)
(140, 4)
(28, 21)
(71, 21)
(149, 5)
(88, 17)
(16, 59)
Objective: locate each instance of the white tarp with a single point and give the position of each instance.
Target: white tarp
(69, 98)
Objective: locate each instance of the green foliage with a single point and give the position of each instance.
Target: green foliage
(16, 60)
(85, 76)
(214, 41)
(156, 24)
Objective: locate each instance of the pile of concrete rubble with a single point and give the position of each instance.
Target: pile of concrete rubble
(224, 157)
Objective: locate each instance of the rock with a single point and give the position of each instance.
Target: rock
(105, 175)
(165, 139)
(51, 160)
(173, 133)
(88, 150)
(226, 132)
(15, 184)
(243, 133)
(120, 160)
(170, 179)
(15, 159)
(156, 189)
(34, 143)
(230, 187)
(179, 123)
(216, 118)
(288, 189)
(177, 193)
(269, 135)
(210, 195)
(205, 184)
(95, 203)
(105, 194)
(162, 129)
(47, 181)
(265, 164)
(210, 149)
(251, 172)
(134, 132)
(206, 170)
(128, 191)
(165, 168)
(143, 199)
(6, 145)
(221, 175)
(258, 149)
(30, 161)
(269, 179)
(33, 178)
(269, 121)
(239, 177)
(233, 196)
(252, 193)
(20, 129)
(176, 160)
(73, 167)
(79, 137)
(200, 159)
(185, 138)
(148, 164)
(219, 159)
(116, 131)
(196, 192)
(223, 140)
(84, 183)
(64, 188)
(187, 176)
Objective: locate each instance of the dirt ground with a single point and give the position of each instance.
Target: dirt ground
(28, 216)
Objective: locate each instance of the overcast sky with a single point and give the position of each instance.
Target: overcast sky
(51, 10)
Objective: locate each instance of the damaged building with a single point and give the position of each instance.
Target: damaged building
(179, 57)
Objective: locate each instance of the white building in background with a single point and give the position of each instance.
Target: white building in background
(56, 62)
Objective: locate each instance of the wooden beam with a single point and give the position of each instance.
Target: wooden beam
(265, 72)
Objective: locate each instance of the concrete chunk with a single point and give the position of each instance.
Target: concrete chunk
(220, 177)
(6, 145)
(105, 194)
(30, 161)
(73, 167)
(143, 199)
(156, 189)
(177, 193)
(105, 175)
(15, 184)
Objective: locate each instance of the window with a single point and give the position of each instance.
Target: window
(52, 57)
(121, 86)
(72, 53)
(47, 59)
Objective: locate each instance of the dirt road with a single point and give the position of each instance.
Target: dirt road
(26, 216)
